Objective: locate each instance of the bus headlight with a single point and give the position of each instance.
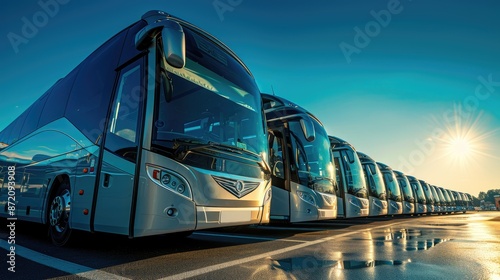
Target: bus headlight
(306, 197)
(181, 188)
(165, 179)
(169, 180)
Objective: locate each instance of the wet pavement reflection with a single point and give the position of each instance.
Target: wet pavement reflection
(410, 239)
(428, 248)
(406, 239)
(388, 243)
(309, 262)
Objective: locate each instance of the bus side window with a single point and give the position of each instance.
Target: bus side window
(123, 133)
(340, 179)
(276, 159)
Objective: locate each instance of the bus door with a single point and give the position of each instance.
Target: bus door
(280, 206)
(341, 185)
(117, 181)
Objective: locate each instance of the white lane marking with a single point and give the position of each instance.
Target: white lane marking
(211, 268)
(61, 265)
(247, 237)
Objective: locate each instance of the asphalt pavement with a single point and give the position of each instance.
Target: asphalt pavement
(457, 246)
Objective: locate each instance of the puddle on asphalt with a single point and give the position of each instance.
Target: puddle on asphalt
(403, 239)
(424, 244)
(309, 263)
(365, 264)
(408, 239)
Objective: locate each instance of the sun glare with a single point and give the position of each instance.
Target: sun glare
(464, 140)
(460, 147)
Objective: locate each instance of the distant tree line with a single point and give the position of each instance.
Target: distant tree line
(486, 196)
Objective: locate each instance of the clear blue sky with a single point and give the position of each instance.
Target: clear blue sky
(391, 87)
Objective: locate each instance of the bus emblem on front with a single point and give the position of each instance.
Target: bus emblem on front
(237, 188)
(240, 186)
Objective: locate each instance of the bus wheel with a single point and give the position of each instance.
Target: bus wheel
(59, 211)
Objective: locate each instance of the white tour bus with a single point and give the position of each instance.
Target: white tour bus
(303, 177)
(352, 193)
(418, 192)
(449, 201)
(394, 200)
(443, 202)
(453, 200)
(377, 195)
(406, 192)
(159, 130)
(429, 198)
(438, 204)
(460, 201)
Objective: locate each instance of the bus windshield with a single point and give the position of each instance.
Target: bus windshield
(212, 102)
(376, 183)
(407, 192)
(356, 184)
(435, 195)
(442, 199)
(427, 192)
(393, 192)
(313, 158)
(420, 193)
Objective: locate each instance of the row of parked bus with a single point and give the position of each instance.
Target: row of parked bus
(163, 129)
(311, 170)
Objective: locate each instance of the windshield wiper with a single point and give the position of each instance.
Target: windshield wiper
(195, 144)
(182, 145)
(230, 148)
(321, 178)
(263, 164)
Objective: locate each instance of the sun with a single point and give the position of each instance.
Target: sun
(463, 140)
(462, 147)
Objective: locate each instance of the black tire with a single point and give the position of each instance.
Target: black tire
(58, 215)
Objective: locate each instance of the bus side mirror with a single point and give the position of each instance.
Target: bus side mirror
(174, 43)
(308, 129)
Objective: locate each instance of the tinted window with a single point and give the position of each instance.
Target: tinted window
(205, 52)
(340, 179)
(18, 125)
(57, 99)
(31, 122)
(123, 133)
(42, 146)
(126, 106)
(2, 138)
(90, 96)
(6, 134)
(372, 169)
(350, 155)
(277, 159)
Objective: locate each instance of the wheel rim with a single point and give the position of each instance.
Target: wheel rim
(59, 211)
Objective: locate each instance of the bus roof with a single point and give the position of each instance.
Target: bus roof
(337, 142)
(284, 107)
